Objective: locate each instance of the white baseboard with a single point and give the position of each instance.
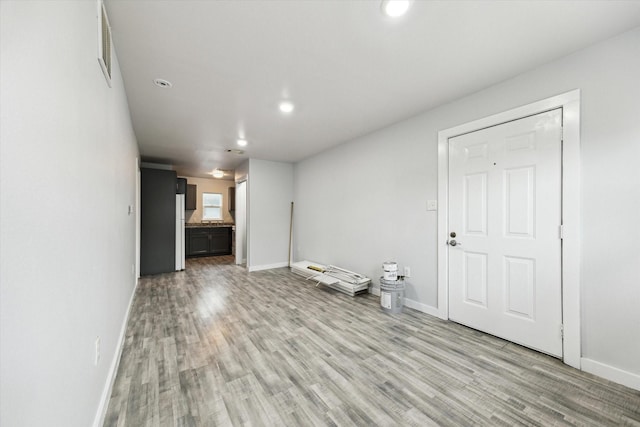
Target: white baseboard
(611, 373)
(426, 309)
(268, 266)
(115, 362)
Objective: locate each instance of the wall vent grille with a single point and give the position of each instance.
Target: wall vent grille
(104, 42)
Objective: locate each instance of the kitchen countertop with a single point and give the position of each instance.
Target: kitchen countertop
(207, 224)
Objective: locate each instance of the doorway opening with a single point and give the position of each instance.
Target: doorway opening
(241, 230)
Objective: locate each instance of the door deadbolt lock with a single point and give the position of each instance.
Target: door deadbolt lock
(452, 234)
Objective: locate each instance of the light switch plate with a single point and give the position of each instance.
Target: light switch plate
(432, 205)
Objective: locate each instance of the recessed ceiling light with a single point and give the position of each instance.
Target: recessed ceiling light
(162, 83)
(242, 142)
(286, 107)
(217, 173)
(395, 8)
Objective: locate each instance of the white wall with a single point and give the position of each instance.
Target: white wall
(270, 194)
(67, 177)
(364, 202)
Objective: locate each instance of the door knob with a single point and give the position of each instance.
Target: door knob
(453, 242)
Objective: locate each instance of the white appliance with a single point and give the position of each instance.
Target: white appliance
(180, 232)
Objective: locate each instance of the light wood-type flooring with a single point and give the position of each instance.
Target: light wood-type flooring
(215, 345)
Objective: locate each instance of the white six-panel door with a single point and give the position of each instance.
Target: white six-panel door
(505, 210)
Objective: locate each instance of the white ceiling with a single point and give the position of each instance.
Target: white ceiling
(348, 69)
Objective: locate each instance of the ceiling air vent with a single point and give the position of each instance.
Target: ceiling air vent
(235, 151)
(104, 42)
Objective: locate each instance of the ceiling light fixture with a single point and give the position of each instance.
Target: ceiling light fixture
(162, 83)
(217, 173)
(395, 8)
(242, 142)
(286, 107)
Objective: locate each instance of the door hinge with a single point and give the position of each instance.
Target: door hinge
(562, 331)
(561, 228)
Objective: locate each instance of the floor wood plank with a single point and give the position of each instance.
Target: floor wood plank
(217, 346)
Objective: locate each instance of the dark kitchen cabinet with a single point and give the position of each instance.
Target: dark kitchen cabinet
(191, 197)
(157, 221)
(208, 241)
(181, 186)
(198, 241)
(220, 241)
(232, 199)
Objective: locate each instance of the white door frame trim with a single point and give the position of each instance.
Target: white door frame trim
(570, 104)
(242, 257)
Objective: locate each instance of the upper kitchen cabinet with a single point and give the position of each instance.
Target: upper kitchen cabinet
(232, 199)
(191, 198)
(181, 186)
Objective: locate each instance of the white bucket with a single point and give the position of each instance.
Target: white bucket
(390, 271)
(391, 295)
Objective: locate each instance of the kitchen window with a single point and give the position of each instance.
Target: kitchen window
(211, 206)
